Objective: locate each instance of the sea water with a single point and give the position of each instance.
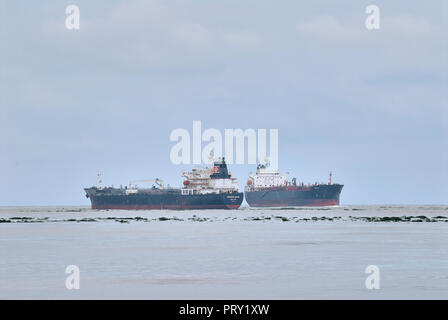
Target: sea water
(302, 253)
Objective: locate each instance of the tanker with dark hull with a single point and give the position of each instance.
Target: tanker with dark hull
(212, 187)
(269, 188)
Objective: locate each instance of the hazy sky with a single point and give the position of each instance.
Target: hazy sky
(371, 106)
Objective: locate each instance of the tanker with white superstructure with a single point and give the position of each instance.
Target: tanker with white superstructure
(270, 188)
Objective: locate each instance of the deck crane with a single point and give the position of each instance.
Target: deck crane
(156, 181)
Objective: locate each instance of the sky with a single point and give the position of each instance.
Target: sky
(369, 105)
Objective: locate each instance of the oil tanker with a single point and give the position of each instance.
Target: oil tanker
(269, 188)
(212, 187)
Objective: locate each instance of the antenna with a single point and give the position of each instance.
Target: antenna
(100, 180)
(211, 157)
(266, 162)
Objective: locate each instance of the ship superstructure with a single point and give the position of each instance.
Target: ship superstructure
(212, 179)
(266, 177)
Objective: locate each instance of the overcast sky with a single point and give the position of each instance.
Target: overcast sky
(371, 106)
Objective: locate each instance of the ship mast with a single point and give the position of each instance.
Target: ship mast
(329, 179)
(100, 180)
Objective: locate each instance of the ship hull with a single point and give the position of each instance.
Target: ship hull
(163, 200)
(295, 196)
